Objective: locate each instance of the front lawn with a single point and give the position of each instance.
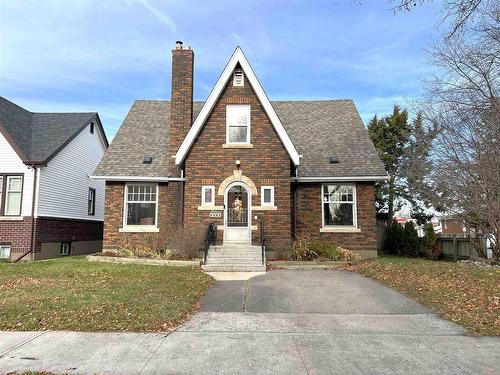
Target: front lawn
(469, 296)
(74, 294)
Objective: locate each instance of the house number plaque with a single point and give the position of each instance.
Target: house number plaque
(215, 214)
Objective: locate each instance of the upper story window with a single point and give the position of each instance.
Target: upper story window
(141, 201)
(238, 78)
(238, 123)
(91, 202)
(339, 205)
(267, 196)
(11, 188)
(208, 195)
(92, 127)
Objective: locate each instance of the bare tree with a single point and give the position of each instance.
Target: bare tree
(463, 102)
(461, 14)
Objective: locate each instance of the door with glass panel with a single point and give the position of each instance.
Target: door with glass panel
(237, 214)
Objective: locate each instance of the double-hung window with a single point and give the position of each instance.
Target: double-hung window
(141, 201)
(11, 188)
(238, 124)
(91, 202)
(208, 195)
(339, 205)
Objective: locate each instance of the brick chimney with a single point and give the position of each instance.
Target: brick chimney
(181, 107)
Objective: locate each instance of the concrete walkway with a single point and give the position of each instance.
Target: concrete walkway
(283, 322)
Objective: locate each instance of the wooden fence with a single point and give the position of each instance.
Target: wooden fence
(459, 247)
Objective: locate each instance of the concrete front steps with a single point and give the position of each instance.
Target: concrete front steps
(234, 258)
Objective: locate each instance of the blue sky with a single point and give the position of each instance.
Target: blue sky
(86, 55)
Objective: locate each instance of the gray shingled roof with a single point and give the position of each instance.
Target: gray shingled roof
(318, 129)
(38, 136)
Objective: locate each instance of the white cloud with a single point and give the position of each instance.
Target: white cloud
(160, 15)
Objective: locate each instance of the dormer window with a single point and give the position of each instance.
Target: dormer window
(238, 124)
(238, 78)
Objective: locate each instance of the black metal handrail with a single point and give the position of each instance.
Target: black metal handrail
(262, 240)
(210, 237)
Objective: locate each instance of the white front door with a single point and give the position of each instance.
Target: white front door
(237, 215)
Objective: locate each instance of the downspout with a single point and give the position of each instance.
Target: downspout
(32, 237)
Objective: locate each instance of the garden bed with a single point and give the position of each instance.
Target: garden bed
(151, 262)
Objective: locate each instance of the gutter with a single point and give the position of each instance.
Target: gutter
(334, 179)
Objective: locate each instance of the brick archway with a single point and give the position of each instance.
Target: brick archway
(237, 176)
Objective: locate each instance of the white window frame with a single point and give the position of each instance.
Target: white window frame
(64, 245)
(248, 126)
(7, 192)
(139, 228)
(262, 202)
(2, 248)
(235, 81)
(355, 207)
(203, 202)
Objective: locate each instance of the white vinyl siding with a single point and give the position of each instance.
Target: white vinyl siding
(11, 163)
(64, 183)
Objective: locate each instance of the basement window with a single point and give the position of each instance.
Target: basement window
(64, 248)
(4, 251)
(238, 78)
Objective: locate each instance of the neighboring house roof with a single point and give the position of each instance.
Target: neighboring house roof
(319, 129)
(38, 137)
(238, 57)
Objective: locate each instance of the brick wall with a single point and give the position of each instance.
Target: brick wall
(267, 163)
(168, 217)
(17, 234)
(309, 219)
(181, 108)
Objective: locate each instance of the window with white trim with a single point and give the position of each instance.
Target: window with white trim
(11, 188)
(4, 251)
(91, 202)
(339, 205)
(208, 195)
(238, 78)
(267, 196)
(64, 248)
(141, 201)
(238, 123)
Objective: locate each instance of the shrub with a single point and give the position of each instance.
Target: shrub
(126, 253)
(393, 239)
(187, 243)
(324, 249)
(428, 244)
(410, 241)
(301, 248)
(344, 254)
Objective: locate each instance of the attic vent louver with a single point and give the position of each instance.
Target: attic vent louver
(334, 160)
(147, 160)
(238, 78)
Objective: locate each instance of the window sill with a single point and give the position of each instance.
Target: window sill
(11, 218)
(264, 208)
(140, 229)
(237, 145)
(339, 230)
(210, 208)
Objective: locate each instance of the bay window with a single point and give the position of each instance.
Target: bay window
(339, 205)
(11, 188)
(141, 205)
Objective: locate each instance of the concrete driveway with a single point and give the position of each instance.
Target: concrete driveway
(283, 322)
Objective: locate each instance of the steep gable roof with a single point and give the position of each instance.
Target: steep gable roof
(238, 57)
(319, 129)
(38, 137)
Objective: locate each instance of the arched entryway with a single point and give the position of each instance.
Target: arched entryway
(237, 213)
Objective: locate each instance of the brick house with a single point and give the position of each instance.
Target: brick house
(239, 161)
(49, 206)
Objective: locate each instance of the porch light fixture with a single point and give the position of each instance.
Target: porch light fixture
(238, 163)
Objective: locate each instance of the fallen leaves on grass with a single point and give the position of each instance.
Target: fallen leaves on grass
(466, 295)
